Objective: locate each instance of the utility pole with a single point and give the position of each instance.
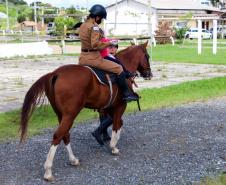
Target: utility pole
(150, 27)
(116, 14)
(43, 19)
(7, 12)
(35, 15)
(87, 4)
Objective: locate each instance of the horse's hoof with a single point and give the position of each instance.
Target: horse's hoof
(115, 151)
(75, 162)
(49, 178)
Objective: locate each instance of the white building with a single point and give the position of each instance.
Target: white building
(130, 17)
(205, 2)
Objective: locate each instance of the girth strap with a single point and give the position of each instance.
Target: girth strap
(111, 92)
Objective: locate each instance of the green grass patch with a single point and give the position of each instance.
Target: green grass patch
(155, 98)
(219, 180)
(187, 92)
(186, 54)
(42, 118)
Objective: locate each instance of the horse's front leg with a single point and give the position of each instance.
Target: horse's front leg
(115, 136)
(116, 130)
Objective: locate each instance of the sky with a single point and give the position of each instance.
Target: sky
(80, 3)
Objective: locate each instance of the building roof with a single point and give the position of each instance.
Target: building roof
(29, 23)
(175, 5)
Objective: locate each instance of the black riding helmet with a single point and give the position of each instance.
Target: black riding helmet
(98, 10)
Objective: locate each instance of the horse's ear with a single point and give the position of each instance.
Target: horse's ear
(145, 44)
(132, 43)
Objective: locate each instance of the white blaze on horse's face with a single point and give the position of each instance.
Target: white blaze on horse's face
(114, 140)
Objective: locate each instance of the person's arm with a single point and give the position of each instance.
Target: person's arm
(95, 39)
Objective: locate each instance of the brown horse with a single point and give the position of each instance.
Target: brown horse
(73, 87)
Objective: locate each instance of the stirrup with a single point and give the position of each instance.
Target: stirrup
(131, 97)
(129, 74)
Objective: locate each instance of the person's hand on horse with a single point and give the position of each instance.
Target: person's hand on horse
(114, 42)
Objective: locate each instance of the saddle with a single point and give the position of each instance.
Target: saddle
(108, 79)
(102, 75)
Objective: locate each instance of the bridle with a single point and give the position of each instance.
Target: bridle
(147, 74)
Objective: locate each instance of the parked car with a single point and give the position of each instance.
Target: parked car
(219, 28)
(192, 33)
(50, 28)
(224, 31)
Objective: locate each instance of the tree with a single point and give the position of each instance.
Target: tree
(21, 18)
(24, 13)
(61, 22)
(180, 32)
(77, 13)
(17, 2)
(71, 10)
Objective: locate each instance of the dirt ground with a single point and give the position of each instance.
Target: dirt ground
(16, 76)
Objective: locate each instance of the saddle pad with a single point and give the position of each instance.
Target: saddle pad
(101, 75)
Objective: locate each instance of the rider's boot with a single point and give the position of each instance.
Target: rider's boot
(106, 136)
(128, 95)
(105, 122)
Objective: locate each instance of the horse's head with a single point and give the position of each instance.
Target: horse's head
(136, 58)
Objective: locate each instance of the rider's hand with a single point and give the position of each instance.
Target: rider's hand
(114, 42)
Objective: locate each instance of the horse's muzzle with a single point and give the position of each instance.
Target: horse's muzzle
(147, 75)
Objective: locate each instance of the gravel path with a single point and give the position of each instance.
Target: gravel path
(174, 146)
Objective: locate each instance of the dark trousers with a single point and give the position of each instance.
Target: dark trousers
(116, 61)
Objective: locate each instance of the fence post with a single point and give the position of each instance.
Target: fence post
(199, 36)
(135, 41)
(215, 37)
(172, 40)
(62, 46)
(154, 41)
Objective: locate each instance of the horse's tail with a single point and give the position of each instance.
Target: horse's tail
(33, 97)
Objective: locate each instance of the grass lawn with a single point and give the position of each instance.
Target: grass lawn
(219, 180)
(151, 99)
(188, 53)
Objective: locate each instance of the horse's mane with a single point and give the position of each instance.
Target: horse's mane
(126, 50)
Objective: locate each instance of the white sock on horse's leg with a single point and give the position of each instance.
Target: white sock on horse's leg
(114, 140)
(74, 161)
(49, 163)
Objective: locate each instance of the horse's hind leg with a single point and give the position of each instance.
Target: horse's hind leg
(74, 161)
(62, 130)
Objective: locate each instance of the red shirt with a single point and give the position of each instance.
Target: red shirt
(105, 51)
